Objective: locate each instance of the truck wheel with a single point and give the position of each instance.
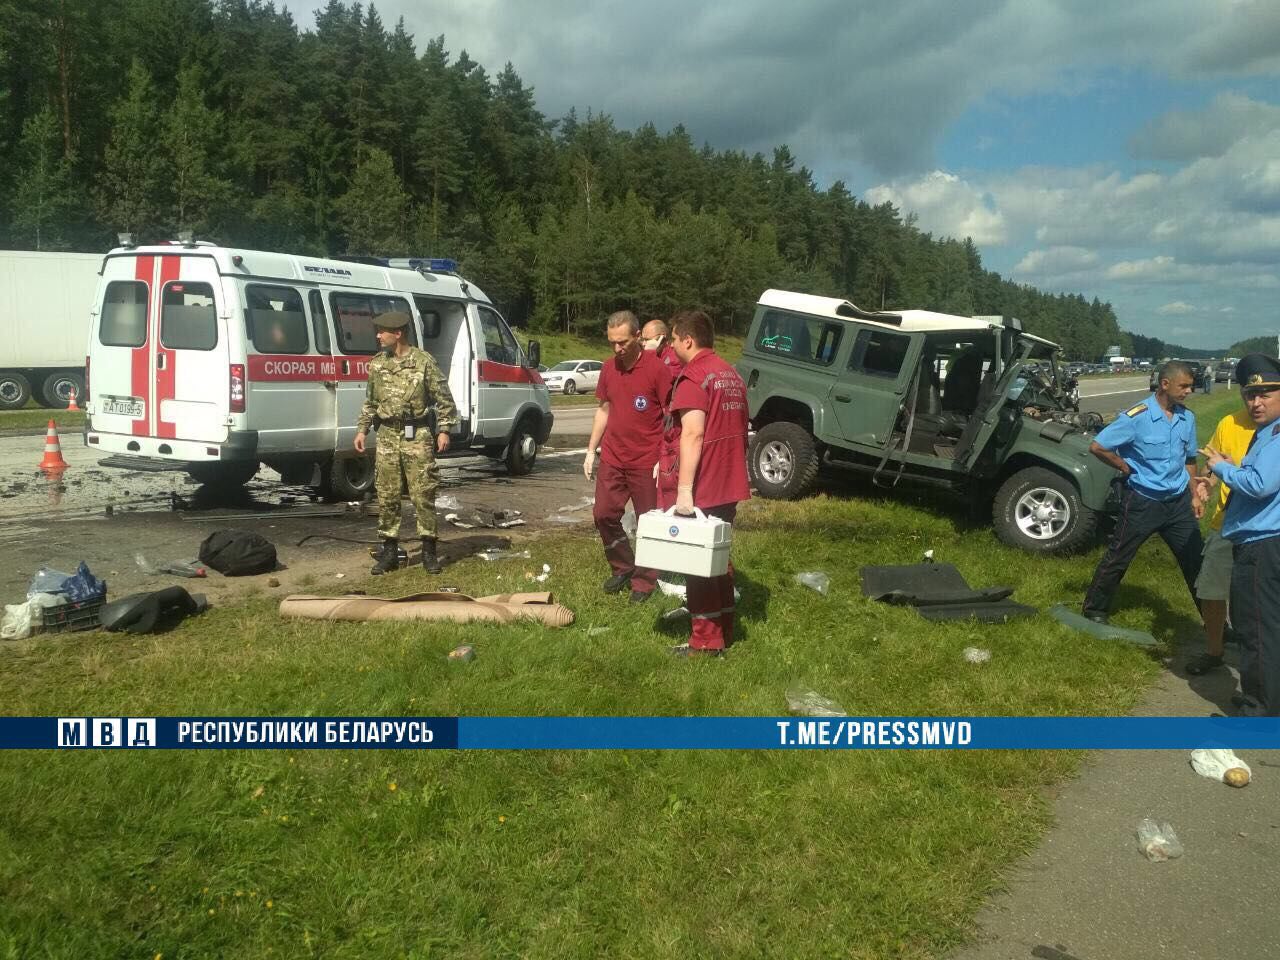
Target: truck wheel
(570, 388)
(522, 451)
(1040, 511)
(223, 475)
(783, 461)
(15, 390)
(57, 389)
(347, 478)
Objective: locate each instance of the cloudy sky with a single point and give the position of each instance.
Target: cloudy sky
(1125, 149)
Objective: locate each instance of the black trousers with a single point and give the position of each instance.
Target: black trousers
(1140, 517)
(1255, 617)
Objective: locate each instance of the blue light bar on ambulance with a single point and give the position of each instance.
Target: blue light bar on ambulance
(430, 264)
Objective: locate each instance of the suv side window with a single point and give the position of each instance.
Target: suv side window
(878, 353)
(807, 339)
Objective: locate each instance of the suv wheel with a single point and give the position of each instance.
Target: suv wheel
(1040, 511)
(783, 461)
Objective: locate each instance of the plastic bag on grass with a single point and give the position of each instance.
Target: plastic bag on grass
(809, 703)
(21, 620)
(814, 580)
(1157, 841)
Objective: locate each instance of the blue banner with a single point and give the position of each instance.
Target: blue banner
(639, 733)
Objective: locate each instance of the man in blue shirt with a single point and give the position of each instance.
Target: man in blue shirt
(1252, 524)
(1153, 445)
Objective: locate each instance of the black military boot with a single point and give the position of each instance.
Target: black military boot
(388, 559)
(430, 562)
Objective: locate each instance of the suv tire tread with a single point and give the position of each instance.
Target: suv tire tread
(1079, 533)
(804, 451)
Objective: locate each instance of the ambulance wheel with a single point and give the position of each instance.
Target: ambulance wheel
(15, 390)
(783, 461)
(522, 451)
(570, 388)
(348, 478)
(57, 390)
(223, 475)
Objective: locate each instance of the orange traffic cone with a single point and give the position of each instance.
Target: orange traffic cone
(52, 451)
(72, 404)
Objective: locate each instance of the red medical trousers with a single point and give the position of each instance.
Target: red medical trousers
(614, 487)
(710, 599)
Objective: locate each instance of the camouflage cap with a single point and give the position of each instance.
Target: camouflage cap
(392, 320)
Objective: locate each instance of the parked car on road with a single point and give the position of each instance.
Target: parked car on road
(1225, 373)
(1201, 377)
(573, 376)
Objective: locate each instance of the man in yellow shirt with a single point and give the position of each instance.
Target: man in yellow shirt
(1213, 585)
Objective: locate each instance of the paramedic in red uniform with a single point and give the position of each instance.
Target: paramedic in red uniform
(657, 337)
(705, 453)
(632, 392)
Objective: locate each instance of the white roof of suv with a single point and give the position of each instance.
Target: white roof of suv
(911, 320)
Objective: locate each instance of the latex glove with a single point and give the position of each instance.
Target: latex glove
(359, 443)
(442, 442)
(655, 471)
(684, 501)
(588, 463)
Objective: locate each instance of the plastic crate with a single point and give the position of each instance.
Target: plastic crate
(67, 617)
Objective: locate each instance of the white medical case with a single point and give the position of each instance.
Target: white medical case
(697, 546)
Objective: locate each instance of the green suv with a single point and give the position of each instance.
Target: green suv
(969, 404)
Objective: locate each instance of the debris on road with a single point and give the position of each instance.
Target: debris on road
(1221, 765)
(1103, 631)
(465, 653)
(976, 655)
(176, 568)
(238, 553)
(1157, 841)
(492, 554)
(147, 612)
(487, 519)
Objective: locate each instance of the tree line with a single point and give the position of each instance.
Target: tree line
(222, 117)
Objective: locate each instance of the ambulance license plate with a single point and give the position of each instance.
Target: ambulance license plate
(123, 406)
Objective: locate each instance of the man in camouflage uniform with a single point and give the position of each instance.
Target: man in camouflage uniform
(408, 399)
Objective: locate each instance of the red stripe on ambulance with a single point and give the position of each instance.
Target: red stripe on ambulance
(166, 378)
(139, 357)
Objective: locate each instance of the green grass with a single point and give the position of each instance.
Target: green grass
(660, 854)
(39, 417)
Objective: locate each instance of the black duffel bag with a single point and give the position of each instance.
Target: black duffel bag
(238, 553)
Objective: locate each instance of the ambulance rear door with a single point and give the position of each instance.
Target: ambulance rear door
(504, 382)
(292, 379)
(171, 318)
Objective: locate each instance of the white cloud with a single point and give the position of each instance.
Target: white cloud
(1177, 307)
(945, 205)
(875, 83)
(1188, 134)
(1056, 262)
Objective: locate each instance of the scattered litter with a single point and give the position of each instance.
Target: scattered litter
(21, 620)
(976, 654)
(1158, 842)
(501, 519)
(676, 614)
(1103, 631)
(77, 587)
(339, 576)
(465, 653)
(177, 568)
(238, 553)
(673, 589)
(938, 591)
(809, 703)
(596, 631)
(147, 612)
(581, 504)
(1221, 765)
(447, 502)
(928, 556)
(564, 518)
(814, 580)
(495, 554)
(546, 572)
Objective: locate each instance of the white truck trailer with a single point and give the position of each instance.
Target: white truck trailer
(45, 299)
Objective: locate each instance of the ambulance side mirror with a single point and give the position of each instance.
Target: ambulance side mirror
(535, 354)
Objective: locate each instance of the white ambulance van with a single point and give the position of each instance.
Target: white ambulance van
(214, 360)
